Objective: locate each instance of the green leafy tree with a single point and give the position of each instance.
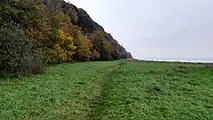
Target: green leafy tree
(17, 55)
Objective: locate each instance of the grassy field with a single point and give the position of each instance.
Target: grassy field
(118, 90)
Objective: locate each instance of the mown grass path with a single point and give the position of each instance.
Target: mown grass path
(65, 92)
(159, 91)
(118, 90)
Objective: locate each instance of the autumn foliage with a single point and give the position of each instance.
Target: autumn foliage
(57, 31)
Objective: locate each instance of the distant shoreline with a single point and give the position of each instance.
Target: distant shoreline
(178, 61)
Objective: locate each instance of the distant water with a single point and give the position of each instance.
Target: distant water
(192, 61)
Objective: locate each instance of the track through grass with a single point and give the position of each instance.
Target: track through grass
(118, 90)
(65, 92)
(138, 90)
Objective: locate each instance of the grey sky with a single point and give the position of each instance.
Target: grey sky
(157, 29)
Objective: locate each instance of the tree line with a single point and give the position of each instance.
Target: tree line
(38, 32)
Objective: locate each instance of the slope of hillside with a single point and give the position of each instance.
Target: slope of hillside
(51, 31)
(56, 19)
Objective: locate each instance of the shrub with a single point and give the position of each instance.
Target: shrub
(17, 55)
(209, 65)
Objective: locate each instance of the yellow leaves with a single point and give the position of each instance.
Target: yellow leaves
(63, 46)
(69, 54)
(107, 47)
(61, 36)
(69, 43)
(82, 46)
(57, 47)
(58, 53)
(70, 38)
(71, 47)
(62, 56)
(38, 7)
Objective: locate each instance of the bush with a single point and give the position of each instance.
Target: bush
(209, 65)
(17, 55)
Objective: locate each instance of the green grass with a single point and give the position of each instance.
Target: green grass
(118, 90)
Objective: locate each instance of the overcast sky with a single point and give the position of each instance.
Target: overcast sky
(157, 29)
